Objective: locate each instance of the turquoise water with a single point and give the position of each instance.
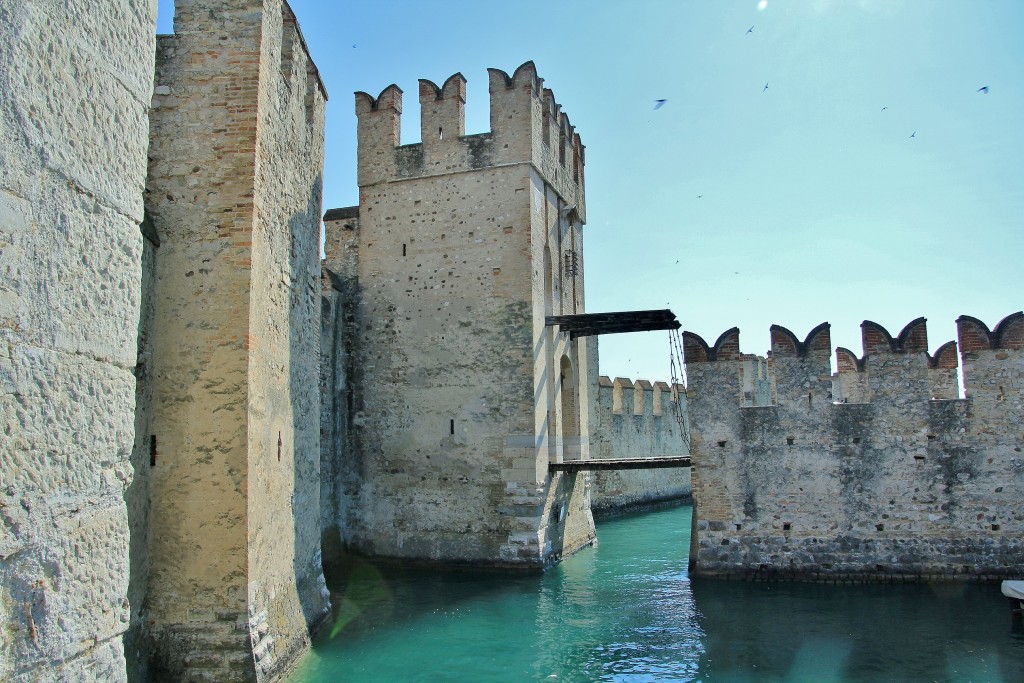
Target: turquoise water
(627, 611)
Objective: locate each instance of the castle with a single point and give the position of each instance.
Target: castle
(175, 353)
(197, 411)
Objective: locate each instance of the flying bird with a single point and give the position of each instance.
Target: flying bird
(914, 134)
(750, 30)
(765, 86)
(983, 89)
(659, 103)
(884, 108)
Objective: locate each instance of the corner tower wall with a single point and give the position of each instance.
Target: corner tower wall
(76, 80)
(902, 487)
(456, 382)
(235, 193)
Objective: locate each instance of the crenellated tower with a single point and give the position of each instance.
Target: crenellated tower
(459, 394)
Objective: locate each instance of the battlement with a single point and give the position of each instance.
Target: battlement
(233, 23)
(642, 397)
(817, 343)
(889, 476)
(992, 359)
(696, 350)
(975, 336)
(892, 368)
(638, 419)
(527, 126)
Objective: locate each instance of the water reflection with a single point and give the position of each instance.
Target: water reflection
(627, 611)
(808, 632)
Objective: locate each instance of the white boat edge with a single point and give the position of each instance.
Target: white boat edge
(1013, 589)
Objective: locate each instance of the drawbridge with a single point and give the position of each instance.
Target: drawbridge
(592, 324)
(619, 464)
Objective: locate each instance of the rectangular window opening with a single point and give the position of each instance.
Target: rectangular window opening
(451, 427)
(152, 450)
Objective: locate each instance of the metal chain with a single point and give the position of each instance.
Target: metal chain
(675, 359)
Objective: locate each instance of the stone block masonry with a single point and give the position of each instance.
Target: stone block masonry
(235, 581)
(638, 420)
(76, 79)
(877, 474)
(458, 394)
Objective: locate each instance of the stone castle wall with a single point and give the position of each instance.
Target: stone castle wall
(76, 80)
(234, 583)
(898, 486)
(638, 420)
(459, 393)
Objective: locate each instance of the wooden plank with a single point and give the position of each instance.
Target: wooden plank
(620, 464)
(590, 324)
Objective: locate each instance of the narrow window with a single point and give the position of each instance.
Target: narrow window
(451, 426)
(152, 450)
(403, 250)
(440, 133)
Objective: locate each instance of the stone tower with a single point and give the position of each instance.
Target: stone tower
(460, 395)
(234, 582)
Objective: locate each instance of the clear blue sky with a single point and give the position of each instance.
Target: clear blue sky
(732, 204)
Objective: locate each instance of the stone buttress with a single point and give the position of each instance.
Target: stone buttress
(235, 582)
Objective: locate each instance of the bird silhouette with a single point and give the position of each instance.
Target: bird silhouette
(765, 86)
(914, 134)
(884, 108)
(750, 30)
(659, 103)
(983, 89)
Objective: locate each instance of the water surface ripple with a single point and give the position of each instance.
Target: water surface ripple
(627, 611)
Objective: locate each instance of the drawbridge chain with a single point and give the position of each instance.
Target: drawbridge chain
(676, 370)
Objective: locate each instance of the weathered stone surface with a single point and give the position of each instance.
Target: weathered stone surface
(76, 84)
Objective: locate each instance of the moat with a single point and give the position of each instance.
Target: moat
(628, 611)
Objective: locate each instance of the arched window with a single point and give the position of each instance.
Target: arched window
(570, 410)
